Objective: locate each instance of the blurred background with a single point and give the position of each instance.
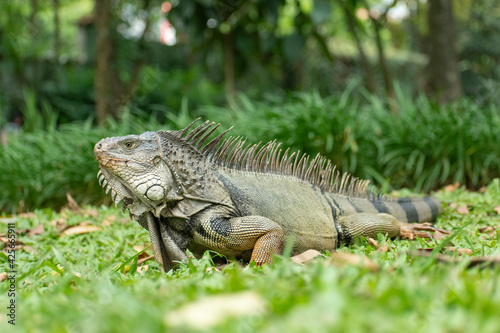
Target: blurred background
(403, 92)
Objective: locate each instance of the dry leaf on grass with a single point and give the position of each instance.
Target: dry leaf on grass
(341, 259)
(80, 229)
(7, 241)
(60, 224)
(90, 212)
(487, 229)
(38, 230)
(72, 205)
(305, 256)
(18, 245)
(497, 209)
(412, 230)
(142, 269)
(141, 260)
(27, 215)
(379, 248)
(108, 220)
(3, 276)
(438, 235)
(452, 187)
(459, 251)
(212, 311)
(464, 210)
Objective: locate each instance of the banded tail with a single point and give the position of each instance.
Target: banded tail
(404, 209)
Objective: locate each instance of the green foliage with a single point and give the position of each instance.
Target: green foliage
(423, 146)
(72, 283)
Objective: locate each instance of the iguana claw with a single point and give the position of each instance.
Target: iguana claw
(422, 230)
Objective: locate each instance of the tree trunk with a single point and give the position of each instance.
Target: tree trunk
(229, 66)
(386, 75)
(57, 30)
(104, 70)
(351, 25)
(443, 76)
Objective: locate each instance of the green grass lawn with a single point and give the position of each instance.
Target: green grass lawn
(85, 282)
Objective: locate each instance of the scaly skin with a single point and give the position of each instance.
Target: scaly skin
(242, 201)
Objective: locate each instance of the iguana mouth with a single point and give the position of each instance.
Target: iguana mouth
(110, 182)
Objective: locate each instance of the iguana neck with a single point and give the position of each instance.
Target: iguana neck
(196, 185)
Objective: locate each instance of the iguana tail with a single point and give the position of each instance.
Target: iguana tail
(411, 209)
(403, 209)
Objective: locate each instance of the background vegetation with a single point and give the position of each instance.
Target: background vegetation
(403, 92)
(358, 81)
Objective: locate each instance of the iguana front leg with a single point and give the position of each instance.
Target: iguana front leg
(231, 236)
(165, 250)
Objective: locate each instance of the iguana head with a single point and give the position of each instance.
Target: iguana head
(133, 168)
(164, 172)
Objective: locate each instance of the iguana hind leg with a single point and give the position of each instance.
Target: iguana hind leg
(231, 236)
(366, 225)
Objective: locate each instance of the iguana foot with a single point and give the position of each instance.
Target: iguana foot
(422, 230)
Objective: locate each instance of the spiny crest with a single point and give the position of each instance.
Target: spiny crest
(234, 153)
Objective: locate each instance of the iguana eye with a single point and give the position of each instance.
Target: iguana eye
(129, 144)
(157, 160)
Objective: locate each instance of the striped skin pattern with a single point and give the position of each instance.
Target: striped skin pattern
(243, 201)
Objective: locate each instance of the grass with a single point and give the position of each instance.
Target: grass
(80, 283)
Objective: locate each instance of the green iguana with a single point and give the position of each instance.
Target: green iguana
(241, 200)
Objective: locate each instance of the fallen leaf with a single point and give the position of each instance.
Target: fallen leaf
(145, 256)
(487, 229)
(459, 251)
(438, 235)
(379, 248)
(212, 311)
(305, 256)
(124, 220)
(343, 258)
(80, 229)
(60, 224)
(212, 269)
(452, 187)
(465, 251)
(29, 249)
(497, 209)
(3, 276)
(86, 222)
(78, 275)
(453, 205)
(27, 215)
(373, 242)
(108, 220)
(142, 269)
(72, 205)
(482, 189)
(7, 241)
(412, 230)
(141, 247)
(8, 220)
(38, 230)
(91, 212)
(464, 210)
